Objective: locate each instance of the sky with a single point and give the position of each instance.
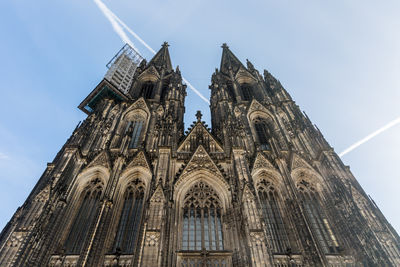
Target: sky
(339, 60)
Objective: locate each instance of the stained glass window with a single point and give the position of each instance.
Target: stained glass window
(129, 224)
(135, 130)
(273, 217)
(202, 225)
(89, 203)
(317, 218)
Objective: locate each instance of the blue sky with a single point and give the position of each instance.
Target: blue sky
(340, 61)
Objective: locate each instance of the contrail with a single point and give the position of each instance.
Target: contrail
(133, 33)
(372, 135)
(195, 90)
(114, 20)
(117, 28)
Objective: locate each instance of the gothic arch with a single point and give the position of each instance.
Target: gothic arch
(216, 182)
(135, 119)
(85, 199)
(244, 76)
(273, 212)
(131, 173)
(139, 107)
(258, 113)
(258, 110)
(86, 176)
(308, 175)
(150, 74)
(309, 191)
(268, 174)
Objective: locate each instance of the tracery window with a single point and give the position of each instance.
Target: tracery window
(134, 129)
(317, 218)
(129, 223)
(246, 91)
(263, 133)
(89, 204)
(273, 216)
(147, 89)
(202, 224)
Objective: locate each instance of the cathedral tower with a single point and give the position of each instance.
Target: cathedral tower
(130, 187)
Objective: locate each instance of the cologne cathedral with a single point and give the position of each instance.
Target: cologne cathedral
(133, 187)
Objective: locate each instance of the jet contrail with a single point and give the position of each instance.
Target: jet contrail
(133, 33)
(117, 28)
(117, 23)
(372, 135)
(195, 90)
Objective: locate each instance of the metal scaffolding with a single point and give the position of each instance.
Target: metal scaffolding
(122, 67)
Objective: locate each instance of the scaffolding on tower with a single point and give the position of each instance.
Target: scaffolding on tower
(122, 67)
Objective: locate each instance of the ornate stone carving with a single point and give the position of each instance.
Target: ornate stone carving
(139, 161)
(152, 239)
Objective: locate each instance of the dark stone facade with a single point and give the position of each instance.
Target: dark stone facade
(262, 187)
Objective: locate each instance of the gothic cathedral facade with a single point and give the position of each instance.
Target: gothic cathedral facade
(131, 187)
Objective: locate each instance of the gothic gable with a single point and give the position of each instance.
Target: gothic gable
(261, 162)
(201, 160)
(201, 136)
(151, 74)
(139, 161)
(138, 104)
(158, 195)
(299, 162)
(244, 76)
(102, 159)
(256, 106)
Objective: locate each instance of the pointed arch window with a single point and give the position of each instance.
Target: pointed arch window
(147, 89)
(88, 208)
(273, 217)
(129, 222)
(134, 130)
(246, 91)
(263, 133)
(317, 218)
(202, 219)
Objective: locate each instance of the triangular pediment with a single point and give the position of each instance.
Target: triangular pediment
(243, 75)
(247, 194)
(299, 162)
(151, 72)
(199, 131)
(261, 162)
(257, 106)
(201, 160)
(138, 104)
(158, 195)
(102, 159)
(139, 161)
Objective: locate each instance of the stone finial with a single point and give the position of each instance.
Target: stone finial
(198, 115)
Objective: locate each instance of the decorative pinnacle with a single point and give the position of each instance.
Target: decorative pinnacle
(165, 44)
(224, 45)
(199, 115)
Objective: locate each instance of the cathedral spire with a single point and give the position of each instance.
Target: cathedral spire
(162, 58)
(229, 60)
